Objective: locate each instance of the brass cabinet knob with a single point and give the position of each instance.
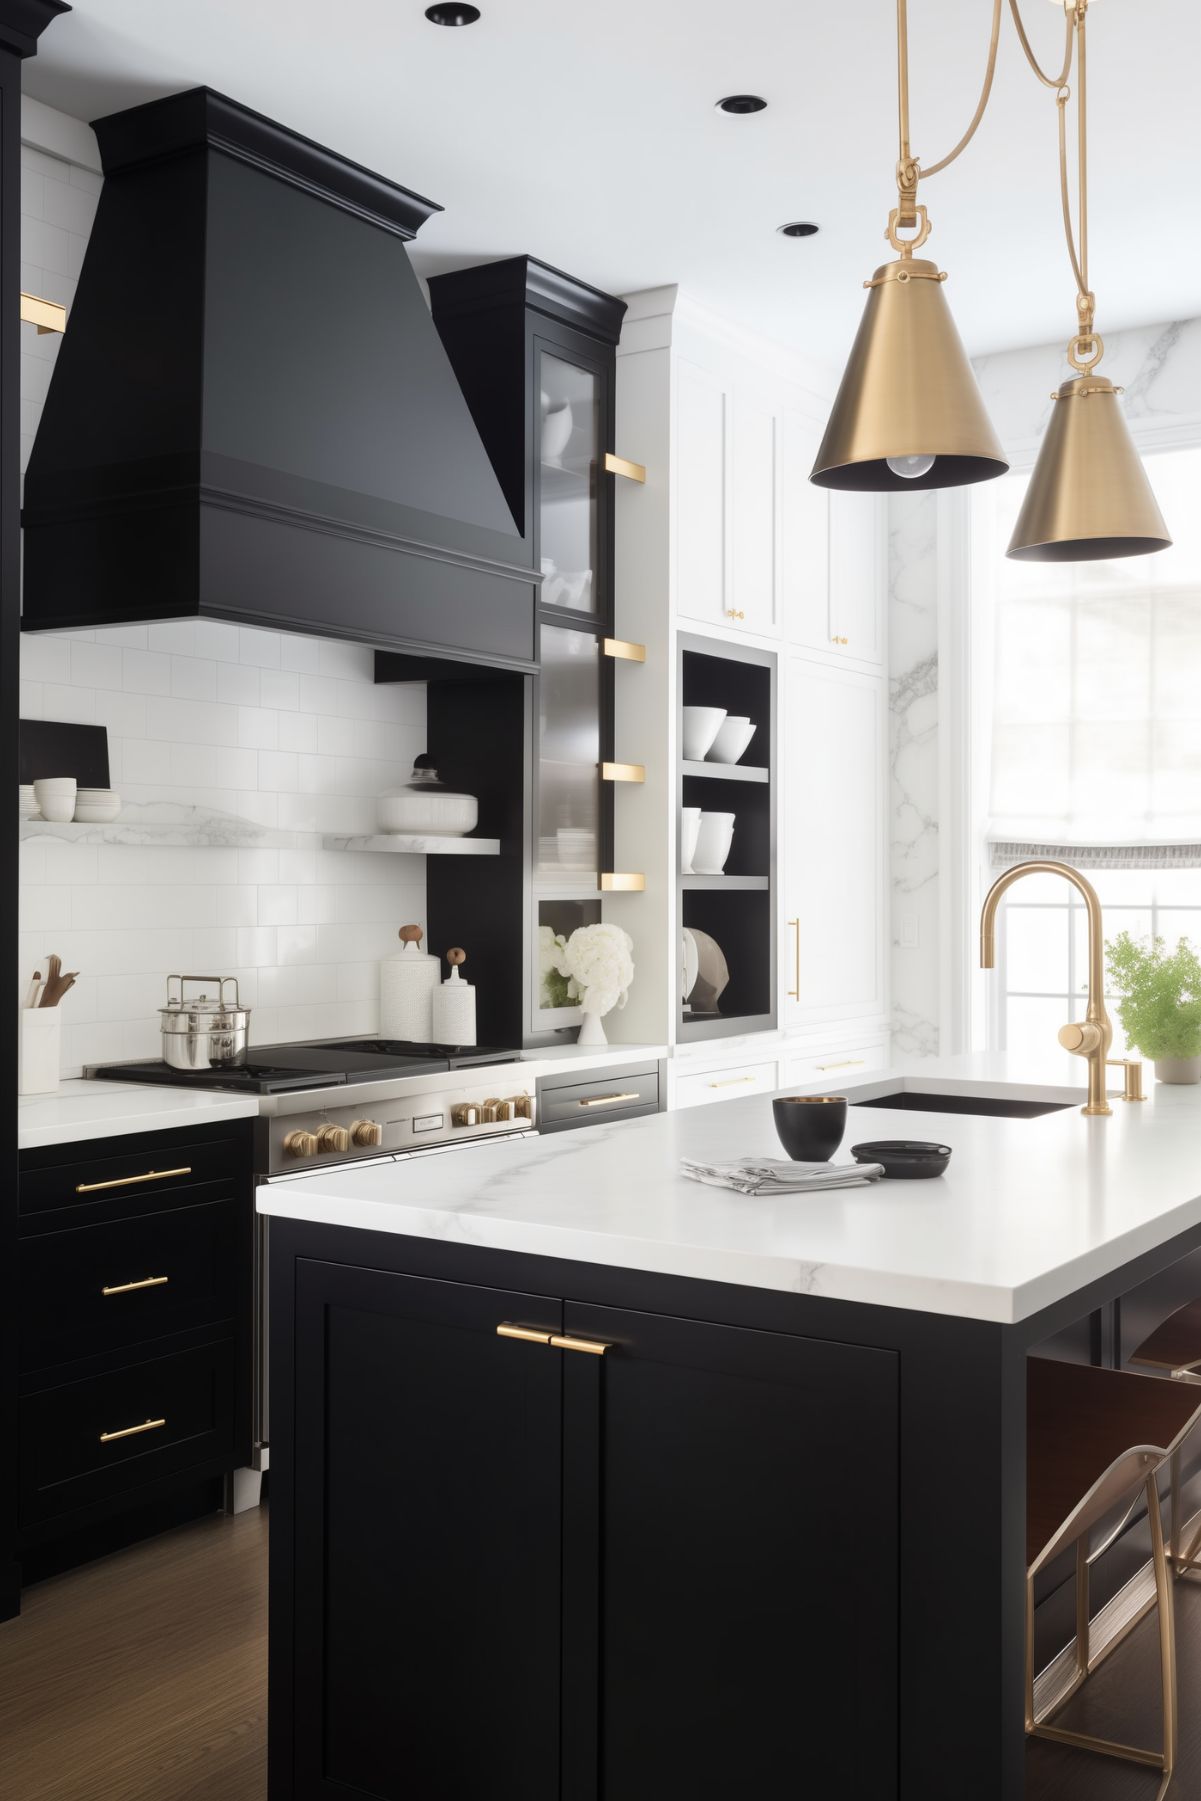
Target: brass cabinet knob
(366, 1131)
(467, 1113)
(333, 1138)
(838, 640)
(301, 1144)
(735, 613)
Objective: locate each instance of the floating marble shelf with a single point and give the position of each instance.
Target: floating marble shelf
(414, 844)
(167, 828)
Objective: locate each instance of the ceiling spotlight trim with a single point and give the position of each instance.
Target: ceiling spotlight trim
(451, 13)
(740, 106)
(798, 228)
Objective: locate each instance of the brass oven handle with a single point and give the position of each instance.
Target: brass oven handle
(847, 1063)
(734, 1082)
(129, 1287)
(108, 1438)
(794, 993)
(152, 1175)
(557, 1341)
(608, 1100)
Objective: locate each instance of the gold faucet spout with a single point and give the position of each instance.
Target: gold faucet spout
(1092, 1039)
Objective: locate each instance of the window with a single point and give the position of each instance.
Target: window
(1093, 749)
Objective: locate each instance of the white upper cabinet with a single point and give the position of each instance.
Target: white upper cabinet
(858, 575)
(701, 447)
(804, 562)
(833, 891)
(754, 517)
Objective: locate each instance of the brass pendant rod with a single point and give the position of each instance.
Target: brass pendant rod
(907, 172)
(1049, 81)
(985, 91)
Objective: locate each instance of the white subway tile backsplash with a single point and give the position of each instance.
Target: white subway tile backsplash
(280, 730)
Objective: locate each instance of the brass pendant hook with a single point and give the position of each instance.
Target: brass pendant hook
(906, 246)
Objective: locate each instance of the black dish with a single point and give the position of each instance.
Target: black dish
(904, 1159)
(810, 1126)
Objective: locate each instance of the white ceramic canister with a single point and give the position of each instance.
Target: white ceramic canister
(426, 807)
(406, 991)
(454, 1005)
(39, 1049)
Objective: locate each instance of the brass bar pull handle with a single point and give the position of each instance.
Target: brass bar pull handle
(794, 993)
(847, 1063)
(615, 465)
(151, 1175)
(624, 649)
(734, 1082)
(623, 772)
(592, 1346)
(525, 1333)
(608, 1100)
(131, 1287)
(108, 1438)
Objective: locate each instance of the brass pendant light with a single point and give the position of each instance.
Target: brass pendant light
(1089, 496)
(909, 412)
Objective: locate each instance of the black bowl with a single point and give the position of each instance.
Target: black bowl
(904, 1159)
(810, 1126)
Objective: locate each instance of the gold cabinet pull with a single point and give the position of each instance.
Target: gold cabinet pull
(837, 640)
(592, 1346)
(847, 1063)
(735, 613)
(47, 315)
(794, 993)
(624, 649)
(621, 884)
(131, 1287)
(152, 1175)
(608, 1100)
(734, 1082)
(108, 1438)
(526, 1333)
(623, 772)
(615, 465)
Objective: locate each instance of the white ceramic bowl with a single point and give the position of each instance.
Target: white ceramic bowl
(556, 430)
(713, 842)
(27, 806)
(690, 825)
(701, 726)
(55, 796)
(97, 806)
(731, 741)
(433, 814)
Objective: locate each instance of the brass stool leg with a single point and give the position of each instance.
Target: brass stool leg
(1167, 1636)
(1174, 1516)
(1029, 1654)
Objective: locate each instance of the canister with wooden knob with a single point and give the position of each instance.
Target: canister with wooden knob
(454, 1005)
(406, 991)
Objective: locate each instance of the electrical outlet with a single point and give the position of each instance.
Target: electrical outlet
(910, 933)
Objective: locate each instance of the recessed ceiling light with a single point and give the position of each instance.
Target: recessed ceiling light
(741, 103)
(452, 14)
(799, 228)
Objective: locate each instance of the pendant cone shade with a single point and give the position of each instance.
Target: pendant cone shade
(908, 390)
(1089, 496)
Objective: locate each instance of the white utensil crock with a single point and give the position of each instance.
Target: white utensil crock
(406, 995)
(39, 1050)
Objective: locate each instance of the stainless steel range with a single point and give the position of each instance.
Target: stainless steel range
(357, 1100)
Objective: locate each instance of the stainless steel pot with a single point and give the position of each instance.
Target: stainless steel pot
(204, 1032)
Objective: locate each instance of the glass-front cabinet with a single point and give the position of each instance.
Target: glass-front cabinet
(570, 470)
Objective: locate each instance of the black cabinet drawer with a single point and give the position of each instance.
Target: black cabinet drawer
(140, 1175)
(102, 1287)
(87, 1441)
(622, 1095)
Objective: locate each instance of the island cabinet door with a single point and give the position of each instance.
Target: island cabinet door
(427, 1485)
(730, 1538)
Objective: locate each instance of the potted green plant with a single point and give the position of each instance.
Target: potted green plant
(1160, 1008)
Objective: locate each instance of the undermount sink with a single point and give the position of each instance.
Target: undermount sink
(991, 1106)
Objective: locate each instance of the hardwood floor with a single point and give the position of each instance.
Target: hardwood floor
(143, 1676)
(1121, 1701)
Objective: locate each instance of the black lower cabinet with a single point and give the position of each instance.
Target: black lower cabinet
(505, 1569)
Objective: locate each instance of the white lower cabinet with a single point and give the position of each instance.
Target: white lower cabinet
(834, 887)
(805, 1067)
(698, 1088)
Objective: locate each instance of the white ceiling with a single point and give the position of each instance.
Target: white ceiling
(585, 133)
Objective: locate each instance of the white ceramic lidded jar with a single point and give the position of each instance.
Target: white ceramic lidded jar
(454, 1005)
(425, 806)
(406, 991)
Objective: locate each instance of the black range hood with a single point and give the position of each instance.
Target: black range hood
(252, 416)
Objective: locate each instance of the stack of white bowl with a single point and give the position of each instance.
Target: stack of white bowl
(711, 734)
(96, 806)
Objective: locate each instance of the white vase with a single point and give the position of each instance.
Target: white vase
(1178, 1069)
(592, 1031)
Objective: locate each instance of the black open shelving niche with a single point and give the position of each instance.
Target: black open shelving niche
(737, 908)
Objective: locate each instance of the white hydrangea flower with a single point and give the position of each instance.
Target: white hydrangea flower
(599, 961)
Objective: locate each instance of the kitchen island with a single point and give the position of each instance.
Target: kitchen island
(741, 1509)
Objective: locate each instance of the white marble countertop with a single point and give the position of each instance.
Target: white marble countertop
(83, 1109)
(1029, 1211)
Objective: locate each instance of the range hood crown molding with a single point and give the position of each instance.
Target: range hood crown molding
(179, 124)
(252, 416)
(525, 281)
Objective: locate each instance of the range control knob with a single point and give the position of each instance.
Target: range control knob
(503, 1110)
(488, 1111)
(333, 1138)
(366, 1131)
(522, 1106)
(301, 1144)
(467, 1113)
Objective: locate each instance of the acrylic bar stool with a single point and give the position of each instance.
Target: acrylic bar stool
(1175, 1347)
(1096, 1440)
